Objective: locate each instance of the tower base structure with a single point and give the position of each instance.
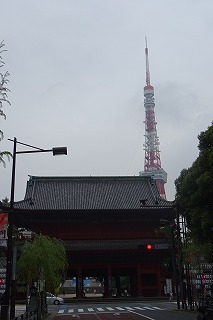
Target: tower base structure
(160, 176)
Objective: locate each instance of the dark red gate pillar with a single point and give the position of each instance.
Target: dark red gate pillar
(108, 283)
(118, 285)
(139, 281)
(79, 284)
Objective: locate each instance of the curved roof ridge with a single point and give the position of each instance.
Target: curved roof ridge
(91, 193)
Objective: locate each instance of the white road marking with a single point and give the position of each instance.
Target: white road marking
(100, 309)
(128, 308)
(84, 310)
(143, 315)
(61, 311)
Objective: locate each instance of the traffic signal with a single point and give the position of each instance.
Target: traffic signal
(1, 281)
(145, 247)
(203, 277)
(149, 246)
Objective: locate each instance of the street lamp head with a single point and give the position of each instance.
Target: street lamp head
(59, 151)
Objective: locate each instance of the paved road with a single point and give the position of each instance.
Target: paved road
(118, 311)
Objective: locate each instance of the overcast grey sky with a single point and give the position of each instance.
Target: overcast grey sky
(77, 76)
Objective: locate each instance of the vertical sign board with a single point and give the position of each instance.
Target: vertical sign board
(3, 243)
(3, 229)
(168, 285)
(2, 280)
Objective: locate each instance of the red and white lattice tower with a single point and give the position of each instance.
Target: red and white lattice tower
(152, 164)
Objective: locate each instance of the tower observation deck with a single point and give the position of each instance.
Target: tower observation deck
(152, 163)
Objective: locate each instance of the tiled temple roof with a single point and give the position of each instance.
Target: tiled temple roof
(91, 193)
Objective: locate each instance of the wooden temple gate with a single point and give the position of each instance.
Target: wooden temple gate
(106, 224)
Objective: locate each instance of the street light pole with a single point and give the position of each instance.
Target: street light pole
(5, 306)
(172, 228)
(9, 295)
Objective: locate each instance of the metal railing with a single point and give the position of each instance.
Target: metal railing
(30, 315)
(37, 314)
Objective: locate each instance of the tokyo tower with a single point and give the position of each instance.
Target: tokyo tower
(152, 163)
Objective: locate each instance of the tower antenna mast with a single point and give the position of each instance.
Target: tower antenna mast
(152, 163)
(147, 65)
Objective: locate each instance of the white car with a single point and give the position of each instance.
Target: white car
(51, 299)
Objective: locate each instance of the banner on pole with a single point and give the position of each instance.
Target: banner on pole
(3, 229)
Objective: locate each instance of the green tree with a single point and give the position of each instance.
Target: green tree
(3, 99)
(42, 258)
(5, 201)
(194, 193)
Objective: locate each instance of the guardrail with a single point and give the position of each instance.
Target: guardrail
(30, 315)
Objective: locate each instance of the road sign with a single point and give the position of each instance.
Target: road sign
(161, 246)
